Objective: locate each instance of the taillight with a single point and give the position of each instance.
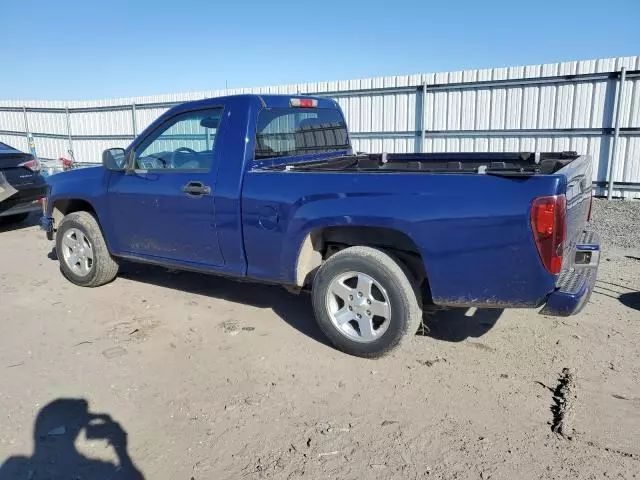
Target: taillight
(33, 165)
(303, 102)
(548, 222)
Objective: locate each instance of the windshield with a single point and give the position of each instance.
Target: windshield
(284, 132)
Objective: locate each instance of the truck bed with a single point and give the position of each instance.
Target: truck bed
(504, 164)
(470, 219)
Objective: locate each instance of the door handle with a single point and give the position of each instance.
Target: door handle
(196, 189)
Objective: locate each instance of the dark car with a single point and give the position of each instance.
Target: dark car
(21, 185)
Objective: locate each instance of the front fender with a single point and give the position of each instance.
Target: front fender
(88, 186)
(86, 183)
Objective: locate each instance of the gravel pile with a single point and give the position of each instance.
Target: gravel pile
(618, 222)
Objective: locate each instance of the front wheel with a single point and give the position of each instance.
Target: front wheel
(365, 301)
(82, 251)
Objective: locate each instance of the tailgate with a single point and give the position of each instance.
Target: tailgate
(578, 176)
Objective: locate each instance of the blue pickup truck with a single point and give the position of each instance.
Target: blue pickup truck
(267, 188)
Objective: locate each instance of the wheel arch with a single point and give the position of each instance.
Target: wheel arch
(64, 206)
(320, 243)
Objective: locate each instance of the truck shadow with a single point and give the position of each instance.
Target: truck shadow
(450, 325)
(458, 324)
(296, 310)
(631, 300)
(624, 294)
(32, 220)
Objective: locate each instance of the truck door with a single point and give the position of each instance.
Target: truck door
(165, 207)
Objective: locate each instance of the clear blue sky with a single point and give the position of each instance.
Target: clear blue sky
(92, 49)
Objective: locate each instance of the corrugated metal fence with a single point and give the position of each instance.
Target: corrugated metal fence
(550, 107)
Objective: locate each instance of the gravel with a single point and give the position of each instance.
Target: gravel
(618, 222)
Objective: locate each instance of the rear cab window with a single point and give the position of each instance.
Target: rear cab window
(285, 132)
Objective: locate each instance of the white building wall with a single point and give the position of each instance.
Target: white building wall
(474, 116)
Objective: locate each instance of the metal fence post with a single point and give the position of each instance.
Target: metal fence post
(133, 120)
(614, 147)
(418, 145)
(423, 123)
(26, 121)
(31, 144)
(67, 114)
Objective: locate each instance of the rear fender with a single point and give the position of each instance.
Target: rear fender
(312, 244)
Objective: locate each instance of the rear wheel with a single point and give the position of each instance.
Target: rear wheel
(82, 251)
(19, 217)
(366, 302)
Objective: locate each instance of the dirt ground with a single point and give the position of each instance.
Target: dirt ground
(213, 379)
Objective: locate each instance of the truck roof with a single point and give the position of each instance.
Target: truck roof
(265, 101)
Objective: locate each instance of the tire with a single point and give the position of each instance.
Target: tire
(395, 296)
(102, 268)
(11, 219)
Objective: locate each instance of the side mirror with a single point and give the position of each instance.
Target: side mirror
(114, 159)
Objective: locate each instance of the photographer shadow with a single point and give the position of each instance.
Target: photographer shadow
(56, 429)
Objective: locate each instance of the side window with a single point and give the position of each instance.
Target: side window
(185, 143)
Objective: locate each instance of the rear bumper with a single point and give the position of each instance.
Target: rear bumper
(575, 283)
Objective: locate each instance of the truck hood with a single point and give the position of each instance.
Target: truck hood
(77, 175)
(83, 183)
